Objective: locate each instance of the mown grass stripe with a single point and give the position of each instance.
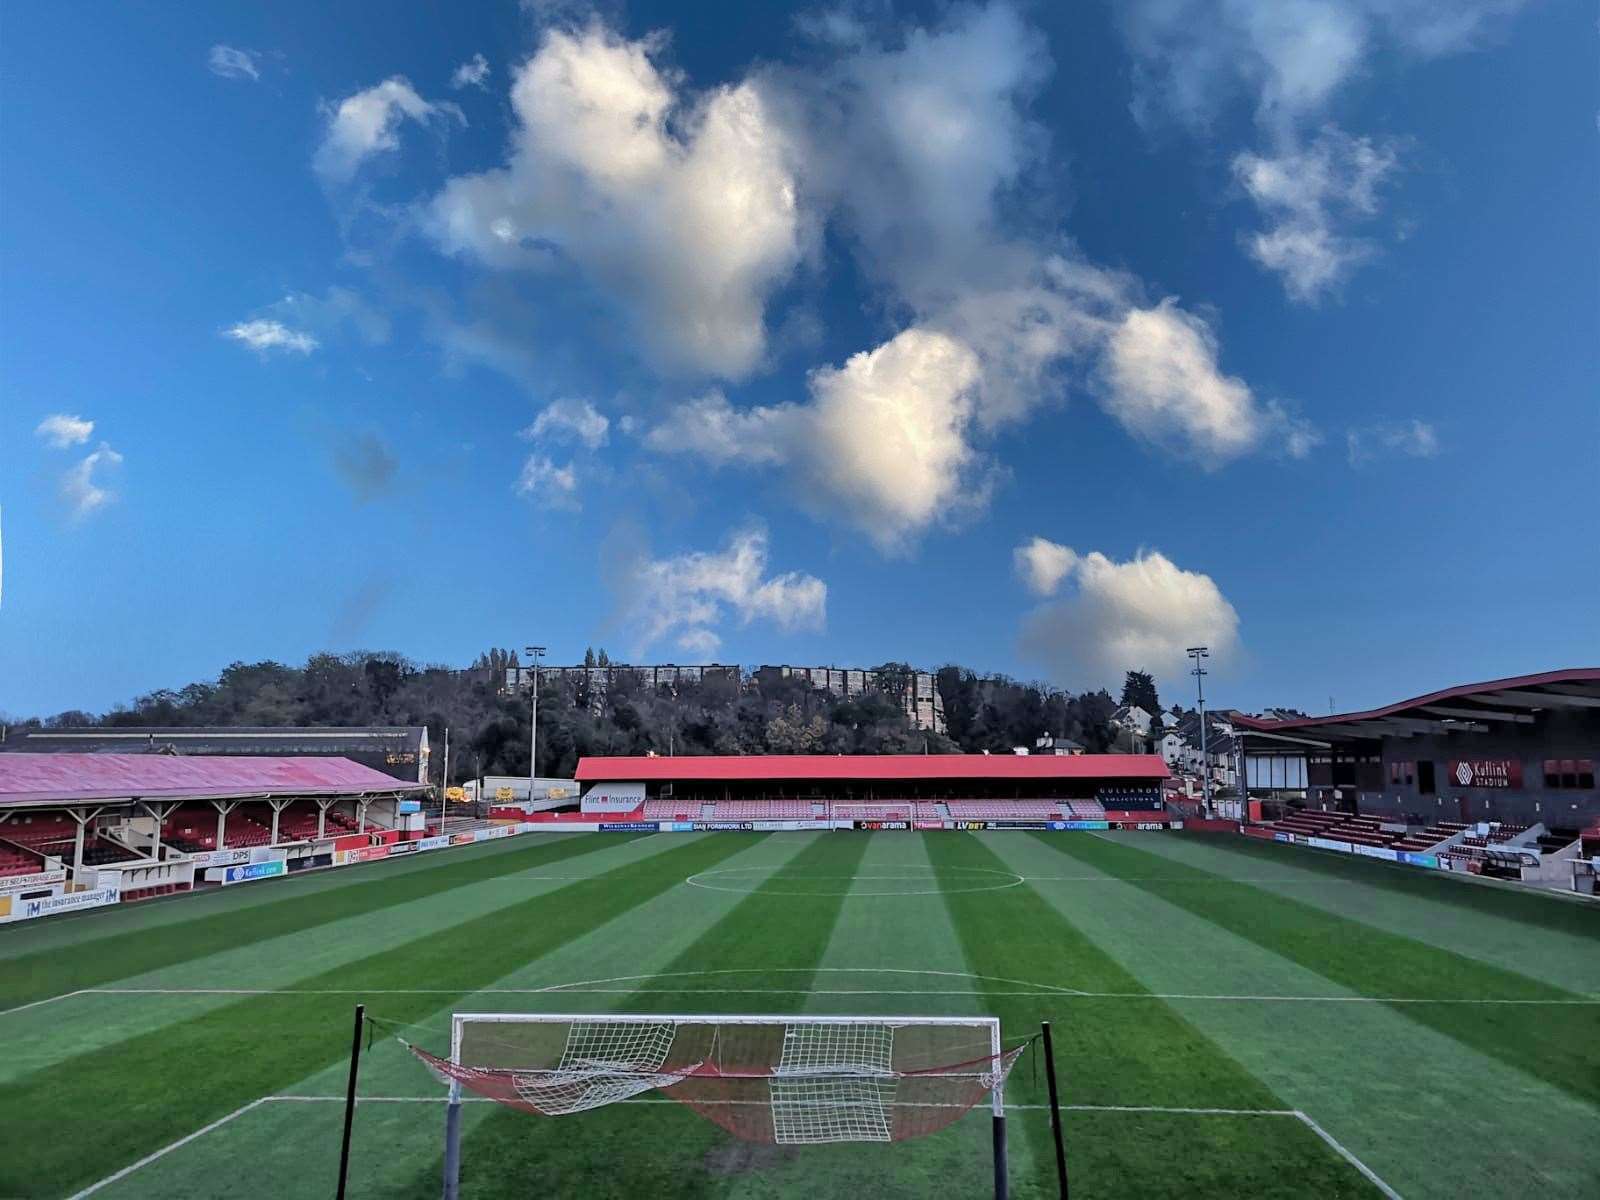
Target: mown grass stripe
(1544, 911)
(1115, 1052)
(1553, 1043)
(597, 1153)
(130, 952)
(62, 1132)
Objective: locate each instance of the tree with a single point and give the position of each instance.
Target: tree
(604, 660)
(1139, 689)
(588, 657)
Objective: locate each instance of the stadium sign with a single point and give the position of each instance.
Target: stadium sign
(21, 883)
(1487, 772)
(744, 826)
(883, 824)
(13, 909)
(434, 843)
(970, 825)
(613, 797)
(252, 871)
(220, 858)
(629, 827)
(402, 848)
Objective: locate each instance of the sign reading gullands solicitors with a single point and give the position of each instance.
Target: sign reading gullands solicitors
(1487, 773)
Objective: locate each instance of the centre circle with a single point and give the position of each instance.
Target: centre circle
(882, 881)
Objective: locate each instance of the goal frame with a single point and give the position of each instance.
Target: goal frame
(459, 1022)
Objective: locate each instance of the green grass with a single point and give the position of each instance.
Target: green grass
(1120, 942)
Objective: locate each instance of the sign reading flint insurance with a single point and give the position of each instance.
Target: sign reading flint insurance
(613, 797)
(1487, 773)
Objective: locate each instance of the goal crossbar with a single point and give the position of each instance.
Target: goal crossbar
(793, 1080)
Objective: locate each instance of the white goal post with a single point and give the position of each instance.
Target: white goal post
(793, 1080)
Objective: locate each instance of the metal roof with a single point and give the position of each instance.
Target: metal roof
(1466, 708)
(69, 778)
(623, 768)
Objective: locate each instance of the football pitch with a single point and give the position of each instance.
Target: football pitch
(1231, 1018)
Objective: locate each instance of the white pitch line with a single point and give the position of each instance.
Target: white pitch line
(46, 1000)
(568, 989)
(165, 1150)
(1367, 1172)
(1370, 1175)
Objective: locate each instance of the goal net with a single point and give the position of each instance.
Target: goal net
(780, 1079)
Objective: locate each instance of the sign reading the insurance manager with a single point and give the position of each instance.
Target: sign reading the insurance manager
(1487, 773)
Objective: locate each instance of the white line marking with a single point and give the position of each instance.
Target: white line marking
(570, 989)
(1370, 1175)
(46, 1000)
(165, 1150)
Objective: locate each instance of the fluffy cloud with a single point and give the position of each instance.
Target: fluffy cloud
(264, 335)
(571, 420)
(1306, 194)
(1042, 564)
(1407, 439)
(234, 64)
(1134, 615)
(81, 488)
(883, 442)
(1290, 58)
(684, 598)
(547, 484)
(368, 123)
(682, 209)
(471, 73)
(1162, 382)
(61, 430)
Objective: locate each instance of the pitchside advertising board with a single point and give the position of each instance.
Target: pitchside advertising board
(613, 798)
(38, 879)
(14, 908)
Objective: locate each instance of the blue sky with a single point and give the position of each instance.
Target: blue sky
(1044, 339)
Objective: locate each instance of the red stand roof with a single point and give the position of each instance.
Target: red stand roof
(626, 768)
(70, 778)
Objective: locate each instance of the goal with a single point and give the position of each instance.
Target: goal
(782, 1079)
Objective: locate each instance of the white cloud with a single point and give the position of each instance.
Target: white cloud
(683, 210)
(234, 64)
(1043, 564)
(61, 430)
(263, 335)
(547, 484)
(80, 488)
(684, 598)
(471, 73)
(1408, 439)
(368, 122)
(1306, 194)
(1290, 58)
(1162, 382)
(882, 444)
(337, 309)
(575, 420)
(1136, 615)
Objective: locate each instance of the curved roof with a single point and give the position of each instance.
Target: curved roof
(625, 768)
(69, 778)
(1473, 707)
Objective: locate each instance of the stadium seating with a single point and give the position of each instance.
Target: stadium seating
(16, 861)
(1008, 810)
(761, 810)
(1423, 839)
(894, 811)
(671, 810)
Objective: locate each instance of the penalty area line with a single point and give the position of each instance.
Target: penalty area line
(1366, 1172)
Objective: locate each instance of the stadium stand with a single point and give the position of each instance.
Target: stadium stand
(760, 810)
(898, 811)
(671, 810)
(16, 861)
(1008, 810)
